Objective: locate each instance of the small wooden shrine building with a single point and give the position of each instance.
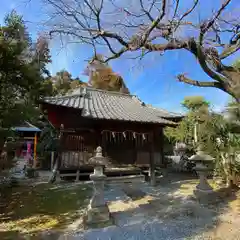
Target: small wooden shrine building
(27, 134)
(129, 131)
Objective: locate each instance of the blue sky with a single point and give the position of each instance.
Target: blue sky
(153, 79)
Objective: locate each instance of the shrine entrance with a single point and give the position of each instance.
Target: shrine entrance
(126, 148)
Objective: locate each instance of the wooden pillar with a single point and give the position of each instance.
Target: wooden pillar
(77, 175)
(162, 147)
(61, 146)
(152, 174)
(103, 143)
(35, 151)
(52, 160)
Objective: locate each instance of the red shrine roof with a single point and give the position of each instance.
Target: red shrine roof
(101, 104)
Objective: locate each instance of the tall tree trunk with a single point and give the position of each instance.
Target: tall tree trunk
(195, 134)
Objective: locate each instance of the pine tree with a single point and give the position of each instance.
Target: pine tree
(22, 65)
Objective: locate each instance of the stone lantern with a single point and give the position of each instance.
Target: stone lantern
(202, 168)
(98, 211)
(178, 160)
(180, 149)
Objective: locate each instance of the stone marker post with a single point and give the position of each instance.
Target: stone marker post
(98, 211)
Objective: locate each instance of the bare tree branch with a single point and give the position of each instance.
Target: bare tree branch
(168, 46)
(70, 14)
(111, 35)
(206, 26)
(230, 50)
(148, 12)
(196, 49)
(176, 9)
(97, 13)
(189, 11)
(155, 26)
(65, 32)
(183, 78)
(154, 23)
(118, 54)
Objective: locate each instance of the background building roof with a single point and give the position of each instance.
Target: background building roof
(26, 127)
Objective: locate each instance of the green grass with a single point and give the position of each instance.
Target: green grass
(31, 210)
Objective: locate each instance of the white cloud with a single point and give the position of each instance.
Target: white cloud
(218, 108)
(171, 107)
(220, 103)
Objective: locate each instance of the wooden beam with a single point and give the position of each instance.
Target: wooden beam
(29, 138)
(77, 130)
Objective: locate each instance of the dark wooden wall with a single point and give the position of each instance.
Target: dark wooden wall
(90, 133)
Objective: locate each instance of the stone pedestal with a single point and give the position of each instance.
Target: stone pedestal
(203, 192)
(97, 211)
(98, 186)
(203, 185)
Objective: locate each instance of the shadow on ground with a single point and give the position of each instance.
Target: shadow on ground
(33, 210)
(166, 211)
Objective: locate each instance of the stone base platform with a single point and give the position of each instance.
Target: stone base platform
(212, 196)
(97, 217)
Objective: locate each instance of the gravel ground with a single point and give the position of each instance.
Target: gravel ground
(164, 213)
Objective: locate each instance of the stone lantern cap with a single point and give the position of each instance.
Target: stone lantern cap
(201, 156)
(98, 159)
